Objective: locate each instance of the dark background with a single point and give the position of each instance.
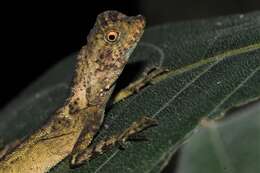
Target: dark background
(37, 35)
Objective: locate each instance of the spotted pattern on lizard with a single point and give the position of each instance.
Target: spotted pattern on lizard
(72, 127)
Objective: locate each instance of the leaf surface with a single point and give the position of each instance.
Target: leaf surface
(227, 146)
(214, 65)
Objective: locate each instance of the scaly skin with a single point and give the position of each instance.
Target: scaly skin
(72, 127)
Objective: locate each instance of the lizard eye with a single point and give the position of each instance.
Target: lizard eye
(112, 36)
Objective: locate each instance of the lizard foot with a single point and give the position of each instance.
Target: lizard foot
(115, 140)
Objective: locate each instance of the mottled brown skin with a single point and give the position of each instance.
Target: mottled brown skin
(116, 139)
(71, 129)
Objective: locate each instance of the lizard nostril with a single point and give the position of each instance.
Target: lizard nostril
(140, 19)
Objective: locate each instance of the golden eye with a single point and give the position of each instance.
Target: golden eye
(112, 36)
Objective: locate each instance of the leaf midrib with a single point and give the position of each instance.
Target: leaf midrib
(205, 61)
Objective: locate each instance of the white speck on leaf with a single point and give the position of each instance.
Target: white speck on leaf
(219, 23)
(241, 16)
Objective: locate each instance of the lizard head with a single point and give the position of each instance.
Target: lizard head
(111, 42)
(118, 33)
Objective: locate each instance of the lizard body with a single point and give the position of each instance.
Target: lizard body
(72, 127)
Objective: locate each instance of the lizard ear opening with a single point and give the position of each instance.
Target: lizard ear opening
(112, 36)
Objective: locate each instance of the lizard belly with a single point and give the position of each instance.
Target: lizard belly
(39, 153)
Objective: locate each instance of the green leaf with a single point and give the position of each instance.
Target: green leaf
(214, 65)
(226, 146)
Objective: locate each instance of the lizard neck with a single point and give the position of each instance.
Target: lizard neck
(89, 84)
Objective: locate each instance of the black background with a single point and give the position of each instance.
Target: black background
(36, 35)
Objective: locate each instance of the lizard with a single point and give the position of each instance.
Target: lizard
(71, 129)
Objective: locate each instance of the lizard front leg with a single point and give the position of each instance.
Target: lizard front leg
(139, 84)
(92, 125)
(86, 153)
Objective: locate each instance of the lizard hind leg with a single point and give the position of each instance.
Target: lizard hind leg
(117, 139)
